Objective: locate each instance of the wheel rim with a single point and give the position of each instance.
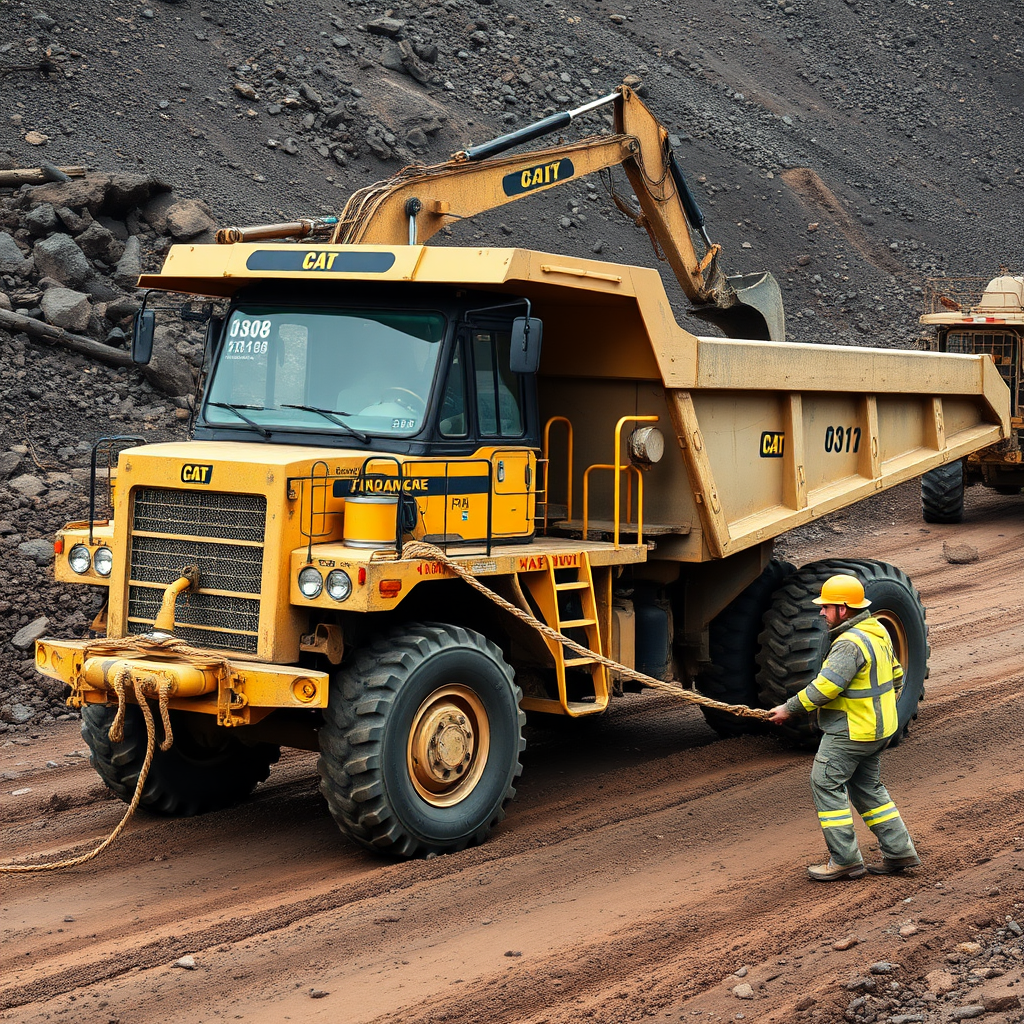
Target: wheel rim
(448, 745)
(897, 634)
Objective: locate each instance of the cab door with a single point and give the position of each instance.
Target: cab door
(500, 409)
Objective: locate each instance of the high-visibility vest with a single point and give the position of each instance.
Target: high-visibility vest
(869, 701)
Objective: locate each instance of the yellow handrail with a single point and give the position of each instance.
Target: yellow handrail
(618, 468)
(547, 466)
(640, 499)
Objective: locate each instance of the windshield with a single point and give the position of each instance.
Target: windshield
(351, 372)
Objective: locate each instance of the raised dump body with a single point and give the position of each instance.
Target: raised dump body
(626, 491)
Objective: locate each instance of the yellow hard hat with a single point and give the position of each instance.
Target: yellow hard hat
(843, 589)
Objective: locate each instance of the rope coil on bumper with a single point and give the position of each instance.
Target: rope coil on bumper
(145, 687)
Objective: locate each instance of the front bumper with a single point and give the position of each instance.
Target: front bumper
(237, 692)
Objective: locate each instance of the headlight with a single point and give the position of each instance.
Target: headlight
(310, 582)
(103, 560)
(339, 584)
(79, 558)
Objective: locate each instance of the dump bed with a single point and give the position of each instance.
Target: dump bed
(760, 437)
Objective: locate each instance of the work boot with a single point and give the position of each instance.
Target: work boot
(830, 871)
(894, 865)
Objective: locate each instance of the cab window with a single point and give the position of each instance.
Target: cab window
(498, 389)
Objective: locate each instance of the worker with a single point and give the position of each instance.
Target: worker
(855, 697)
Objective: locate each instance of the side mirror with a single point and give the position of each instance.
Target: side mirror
(142, 336)
(527, 335)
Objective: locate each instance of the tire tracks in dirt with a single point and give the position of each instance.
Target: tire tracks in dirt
(642, 864)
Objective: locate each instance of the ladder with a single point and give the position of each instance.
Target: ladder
(552, 598)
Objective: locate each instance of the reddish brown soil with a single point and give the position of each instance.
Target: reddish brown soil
(642, 863)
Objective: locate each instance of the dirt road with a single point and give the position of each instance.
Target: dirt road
(642, 864)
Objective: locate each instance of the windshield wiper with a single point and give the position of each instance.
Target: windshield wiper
(241, 415)
(332, 415)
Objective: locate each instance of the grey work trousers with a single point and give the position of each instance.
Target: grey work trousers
(848, 771)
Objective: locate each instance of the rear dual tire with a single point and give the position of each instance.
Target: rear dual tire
(731, 678)
(942, 494)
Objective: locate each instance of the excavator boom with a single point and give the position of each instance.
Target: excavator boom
(413, 205)
(418, 202)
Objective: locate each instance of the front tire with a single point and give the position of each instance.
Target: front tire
(207, 769)
(733, 645)
(942, 494)
(795, 640)
(419, 750)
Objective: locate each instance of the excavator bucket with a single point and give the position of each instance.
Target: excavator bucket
(750, 307)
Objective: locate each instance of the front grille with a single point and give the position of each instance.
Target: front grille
(1005, 349)
(221, 534)
(201, 514)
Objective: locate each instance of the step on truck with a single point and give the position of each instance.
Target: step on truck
(545, 424)
(978, 316)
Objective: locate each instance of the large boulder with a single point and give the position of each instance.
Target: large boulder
(9, 462)
(128, 191)
(169, 370)
(39, 550)
(112, 194)
(42, 220)
(129, 267)
(66, 308)
(87, 192)
(99, 243)
(27, 485)
(59, 257)
(188, 219)
(28, 635)
(12, 259)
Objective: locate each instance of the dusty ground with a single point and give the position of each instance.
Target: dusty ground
(642, 864)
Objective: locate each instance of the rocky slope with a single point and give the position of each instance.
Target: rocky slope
(853, 148)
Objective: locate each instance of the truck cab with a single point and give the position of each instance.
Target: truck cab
(423, 374)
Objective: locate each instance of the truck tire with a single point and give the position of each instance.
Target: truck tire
(733, 645)
(193, 777)
(419, 750)
(795, 641)
(942, 494)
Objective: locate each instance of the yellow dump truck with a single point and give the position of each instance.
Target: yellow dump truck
(540, 419)
(978, 316)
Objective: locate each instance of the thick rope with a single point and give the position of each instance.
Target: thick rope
(131, 645)
(147, 714)
(428, 552)
(150, 645)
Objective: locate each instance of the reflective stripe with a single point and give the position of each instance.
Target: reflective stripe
(838, 823)
(879, 814)
(845, 816)
(875, 810)
(833, 677)
(821, 687)
(883, 817)
(868, 691)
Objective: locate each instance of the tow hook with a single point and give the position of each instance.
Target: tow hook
(188, 581)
